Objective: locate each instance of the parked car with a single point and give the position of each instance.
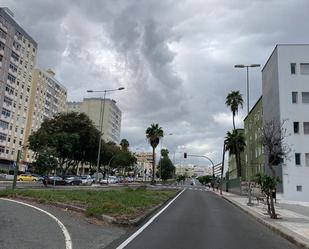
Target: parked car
(27, 177)
(110, 180)
(87, 180)
(57, 180)
(73, 180)
(40, 178)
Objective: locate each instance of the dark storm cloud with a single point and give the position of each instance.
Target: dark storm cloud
(175, 58)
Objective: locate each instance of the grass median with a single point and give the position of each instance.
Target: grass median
(124, 203)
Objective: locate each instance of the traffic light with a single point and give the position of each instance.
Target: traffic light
(185, 155)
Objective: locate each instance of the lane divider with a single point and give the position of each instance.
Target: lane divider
(134, 235)
(67, 237)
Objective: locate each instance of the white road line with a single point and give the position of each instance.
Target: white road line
(134, 235)
(67, 237)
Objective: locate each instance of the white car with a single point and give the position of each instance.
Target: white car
(111, 179)
(86, 180)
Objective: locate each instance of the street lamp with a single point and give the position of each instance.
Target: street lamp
(248, 110)
(101, 123)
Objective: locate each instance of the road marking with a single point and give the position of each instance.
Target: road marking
(133, 236)
(67, 237)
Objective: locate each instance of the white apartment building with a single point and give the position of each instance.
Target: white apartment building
(93, 107)
(48, 98)
(286, 98)
(17, 59)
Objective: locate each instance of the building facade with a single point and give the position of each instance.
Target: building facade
(254, 152)
(144, 161)
(286, 99)
(48, 98)
(17, 59)
(93, 107)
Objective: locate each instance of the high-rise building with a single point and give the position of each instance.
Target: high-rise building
(93, 107)
(286, 100)
(48, 98)
(17, 59)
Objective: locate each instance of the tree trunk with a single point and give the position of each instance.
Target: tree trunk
(238, 161)
(268, 205)
(153, 164)
(272, 208)
(234, 121)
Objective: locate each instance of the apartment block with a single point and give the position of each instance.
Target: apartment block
(254, 152)
(48, 98)
(17, 59)
(286, 99)
(94, 108)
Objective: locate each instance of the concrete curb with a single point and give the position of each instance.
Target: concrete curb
(283, 232)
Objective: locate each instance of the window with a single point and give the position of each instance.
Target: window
(13, 67)
(307, 159)
(2, 34)
(15, 56)
(294, 97)
(1, 149)
(305, 97)
(296, 127)
(3, 124)
(297, 159)
(304, 68)
(3, 136)
(299, 188)
(11, 78)
(293, 68)
(306, 127)
(7, 100)
(6, 113)
(2, 46)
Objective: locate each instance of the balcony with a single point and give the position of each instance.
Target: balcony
(3, 40)
(5, 29)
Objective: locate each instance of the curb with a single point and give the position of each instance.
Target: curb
(296, 240)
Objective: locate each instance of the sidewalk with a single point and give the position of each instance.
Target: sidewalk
(293, 222)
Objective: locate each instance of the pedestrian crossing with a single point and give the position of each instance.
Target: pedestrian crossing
(188, 188)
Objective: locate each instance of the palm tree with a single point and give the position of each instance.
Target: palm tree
(234, 101)
(124, 144)
(153, 134)
(235, 144)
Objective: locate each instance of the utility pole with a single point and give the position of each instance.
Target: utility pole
(16, 169)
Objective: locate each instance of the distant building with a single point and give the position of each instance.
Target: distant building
(17, 59)
(93, 107)
(254, 152)
(144, 161)
(186, 170)
(48, 98)
(286, 98)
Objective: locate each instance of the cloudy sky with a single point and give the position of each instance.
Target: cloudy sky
(174, 57)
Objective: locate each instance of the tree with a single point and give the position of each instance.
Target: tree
(71, 136)
(234, 100)
(166, 167)
(124, 144)
(205, 179)
(154, 133)
(273, 139)
(235, 144)
(268, 184)
(124, 161)
(45, 161)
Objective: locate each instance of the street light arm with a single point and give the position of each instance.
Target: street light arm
(105, 91)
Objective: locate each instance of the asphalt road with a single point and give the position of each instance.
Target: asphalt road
(200, 219)
(23, 227)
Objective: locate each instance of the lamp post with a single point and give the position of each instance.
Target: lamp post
(101, 123)
(248, 110)
(170, 134)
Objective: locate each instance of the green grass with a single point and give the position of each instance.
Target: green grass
(125, 203)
